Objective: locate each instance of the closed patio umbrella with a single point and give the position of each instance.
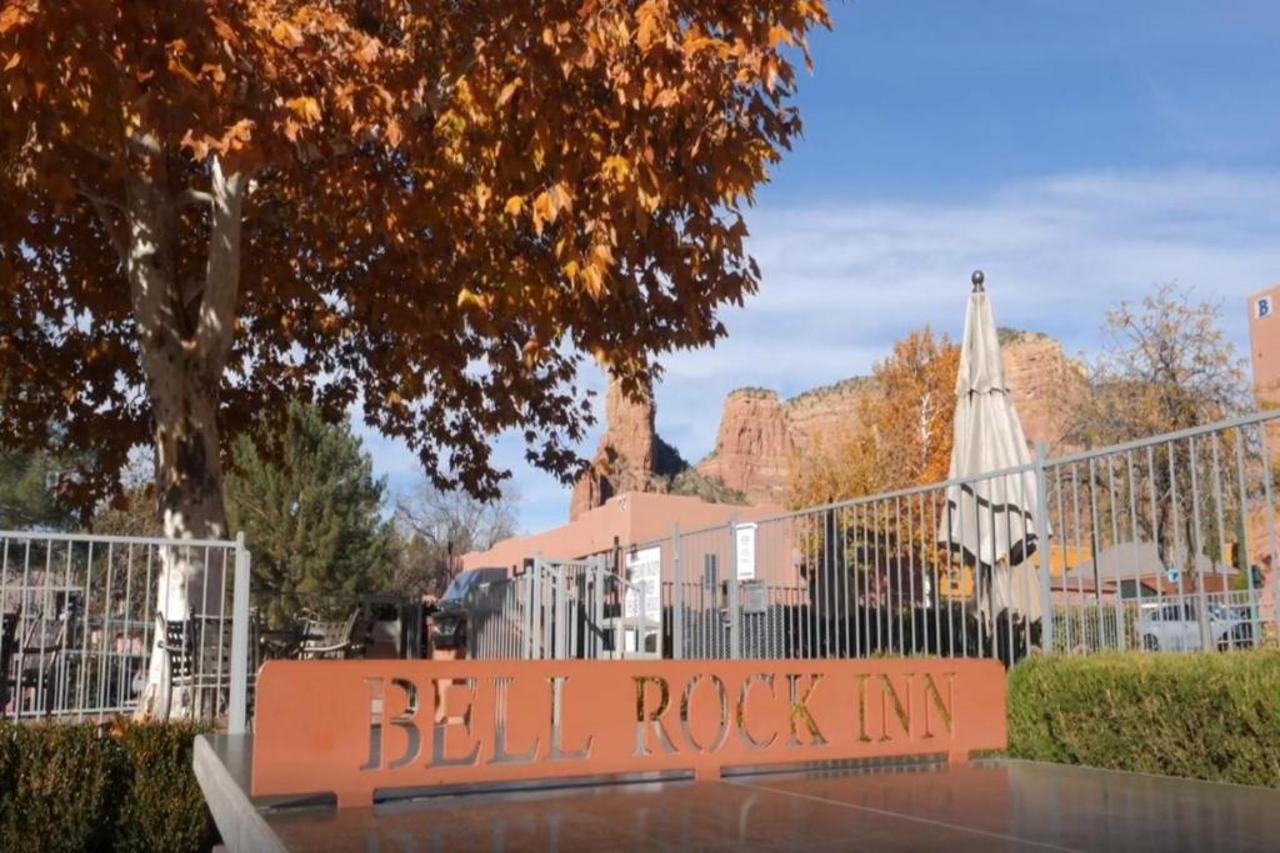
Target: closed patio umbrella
(990, 520)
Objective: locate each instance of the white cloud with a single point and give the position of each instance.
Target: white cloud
(842, 282)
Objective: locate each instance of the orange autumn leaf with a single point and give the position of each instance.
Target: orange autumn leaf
(308, 109)
(285, 33)
(544, 211)
(509, 90)
(13, 15)
(394, 133)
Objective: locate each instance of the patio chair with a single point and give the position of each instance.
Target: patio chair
(178, 643)
(8, 645)
(198, 649)
(38, 679)
(324, 640)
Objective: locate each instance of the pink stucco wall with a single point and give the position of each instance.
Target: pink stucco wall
(634, 518)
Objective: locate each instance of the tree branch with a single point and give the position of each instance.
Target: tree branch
(98, 200)
(147, 143)
(222, 275)
(192, 197)
(93, 152)
(102, 207)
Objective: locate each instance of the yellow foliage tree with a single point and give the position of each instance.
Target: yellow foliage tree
(903, 435)
(902, 438)
(434, 210)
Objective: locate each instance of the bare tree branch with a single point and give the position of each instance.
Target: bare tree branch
(192, 197)
(102, 207)
(222, 276)
(93, 152)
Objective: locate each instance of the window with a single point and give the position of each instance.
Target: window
(710, 571)
(1132, 589)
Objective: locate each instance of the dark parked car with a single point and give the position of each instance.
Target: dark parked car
(449, 621)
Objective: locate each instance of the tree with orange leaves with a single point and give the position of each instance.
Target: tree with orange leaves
(902, 438)
(903, 435)
(433, 210)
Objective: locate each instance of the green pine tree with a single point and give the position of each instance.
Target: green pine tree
(28, 492)
(303, 492)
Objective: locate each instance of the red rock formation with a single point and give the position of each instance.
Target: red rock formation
(629, 432)
(820, 413)
(754, 446)
(624, 462)
(760, 434)
(1043, 380)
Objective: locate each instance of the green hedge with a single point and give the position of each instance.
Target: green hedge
(1202, 716)
(86, 787)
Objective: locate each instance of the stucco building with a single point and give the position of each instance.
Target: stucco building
(626, 520)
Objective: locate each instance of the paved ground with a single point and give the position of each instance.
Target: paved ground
(993, 806)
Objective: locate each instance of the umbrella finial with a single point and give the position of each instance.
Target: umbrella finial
(977, 278)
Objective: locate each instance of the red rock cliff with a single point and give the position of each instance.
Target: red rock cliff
(760, 433)
(624, 462)
(754, 445)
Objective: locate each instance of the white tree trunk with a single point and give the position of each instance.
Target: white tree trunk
(185, 340)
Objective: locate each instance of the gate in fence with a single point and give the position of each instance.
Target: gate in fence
(565, 609)
(1167, 543)
(84, 620)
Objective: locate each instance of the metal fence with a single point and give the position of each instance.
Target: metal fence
(83, 619)
(564, 609)
(1167, 543)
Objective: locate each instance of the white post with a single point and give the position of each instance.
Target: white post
(677, 597)
(1045, 549)
(238, 703)
(735, 610)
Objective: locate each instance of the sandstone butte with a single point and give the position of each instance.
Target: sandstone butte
(760, 432)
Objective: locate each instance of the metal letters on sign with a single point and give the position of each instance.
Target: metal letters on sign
(354, 727)
(1264, 307)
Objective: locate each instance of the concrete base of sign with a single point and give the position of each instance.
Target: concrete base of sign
(996, 804)
(222, 765)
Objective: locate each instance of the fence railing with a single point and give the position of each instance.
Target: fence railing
(84, 619)
(564, 609)
(1166, 543)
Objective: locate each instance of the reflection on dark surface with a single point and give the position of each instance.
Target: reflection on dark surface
(995, 806)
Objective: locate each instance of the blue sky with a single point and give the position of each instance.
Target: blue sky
(1079, 151)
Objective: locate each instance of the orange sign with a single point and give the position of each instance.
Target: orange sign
(353, 727)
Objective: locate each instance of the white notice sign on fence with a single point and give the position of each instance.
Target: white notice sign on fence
(745, 534)
(645, 568)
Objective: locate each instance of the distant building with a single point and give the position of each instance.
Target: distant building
(1264, 336)
(1264, 353)
(626, 520)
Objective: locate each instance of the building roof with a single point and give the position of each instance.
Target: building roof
(631, 518)
(1131, 560)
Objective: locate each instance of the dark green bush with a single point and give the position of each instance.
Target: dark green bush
(163, 807)
(1202, 716)
(58, 790)
(87, 787)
